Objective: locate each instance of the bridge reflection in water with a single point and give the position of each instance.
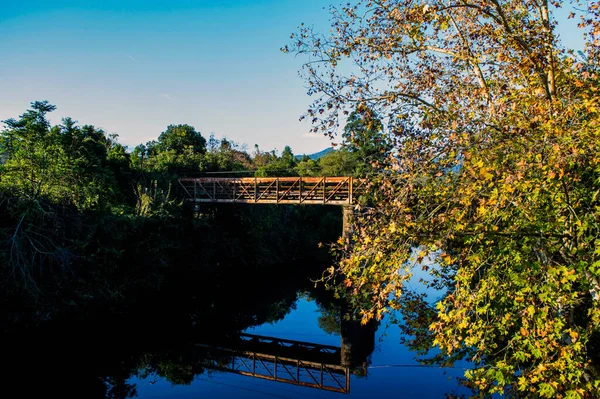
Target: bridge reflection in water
(274, 190)
(301, 363)
(293, 362)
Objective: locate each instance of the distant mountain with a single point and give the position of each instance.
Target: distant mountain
(316, 155)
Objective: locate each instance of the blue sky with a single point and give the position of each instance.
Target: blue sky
(133, 67)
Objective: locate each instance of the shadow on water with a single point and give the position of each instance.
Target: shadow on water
(193, 324)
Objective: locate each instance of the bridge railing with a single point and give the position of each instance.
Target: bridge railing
(274, 190)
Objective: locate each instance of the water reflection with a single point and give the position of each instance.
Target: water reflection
(306, 364)
(303, 363)
(192, 325)
(209, 325)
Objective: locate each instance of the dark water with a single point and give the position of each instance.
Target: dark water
(197, 335)
(390, 370)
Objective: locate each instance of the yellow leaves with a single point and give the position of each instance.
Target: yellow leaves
(482, 210)
(395, 14)
(484, 172)
(447, 259)
(392, 227)
(574, 335)
(505, 209)
(523, 383)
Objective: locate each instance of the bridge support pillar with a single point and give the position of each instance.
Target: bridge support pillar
(357, 341)
(347, 216)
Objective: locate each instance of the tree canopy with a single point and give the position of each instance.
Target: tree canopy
(493, 175)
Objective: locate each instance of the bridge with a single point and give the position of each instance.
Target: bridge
(274, 190)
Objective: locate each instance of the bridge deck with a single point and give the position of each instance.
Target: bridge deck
(274, 190)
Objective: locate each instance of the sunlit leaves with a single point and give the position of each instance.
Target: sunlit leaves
(492, 183)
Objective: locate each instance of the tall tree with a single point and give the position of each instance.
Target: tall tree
(30, 170)
(494, 175)
(363, 135)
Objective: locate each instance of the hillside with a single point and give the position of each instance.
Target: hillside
(317, 155)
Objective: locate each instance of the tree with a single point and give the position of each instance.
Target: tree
(363, 135)
(340, 162)
(182, 139)
(87, 173)
(494, 174)
(227, 156)
(308, 167)
(269, 164)
(29, 170)
(180, 148)
(65, 164)
(138, 156)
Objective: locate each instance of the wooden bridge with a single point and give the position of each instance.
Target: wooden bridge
(274, 190)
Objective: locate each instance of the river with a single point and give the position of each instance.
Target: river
(221, 335)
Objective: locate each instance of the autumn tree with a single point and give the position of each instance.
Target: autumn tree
(494, 175)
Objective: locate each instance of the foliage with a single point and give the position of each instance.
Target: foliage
(83, 222)
(271, 165)
(363, 136)
(226, 156)
(180, 147)
(153, 201)
(340, 163)
(494, 174)
(67, 164)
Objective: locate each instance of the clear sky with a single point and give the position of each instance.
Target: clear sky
(133, 67)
